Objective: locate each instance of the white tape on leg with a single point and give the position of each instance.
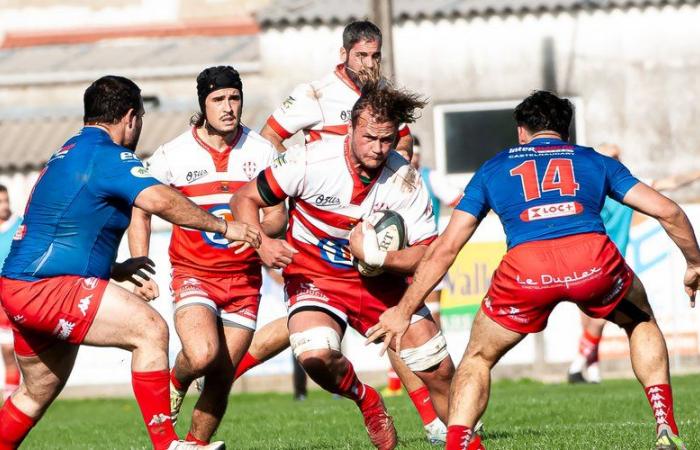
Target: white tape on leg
(427, 355)
(317, 338)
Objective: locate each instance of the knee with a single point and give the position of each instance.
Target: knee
(432, 356)
(154, 331)
(201, 357)
(316, 349)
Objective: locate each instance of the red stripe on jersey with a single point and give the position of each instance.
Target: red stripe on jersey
(426, 241)
(295, 214)
(405, 131)
(274, 185)
(359, 189)
(213, 187)
(220, 158)
(342, 74)
(313, 136)
(279, 129)
(329, 217)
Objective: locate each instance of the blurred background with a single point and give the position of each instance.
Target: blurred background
(631, 67)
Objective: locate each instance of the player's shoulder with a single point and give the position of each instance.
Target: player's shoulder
(250, 140)
(328, 81)
(182, 141)
(399, 171)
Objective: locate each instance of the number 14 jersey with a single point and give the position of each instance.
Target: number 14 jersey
(546, 189)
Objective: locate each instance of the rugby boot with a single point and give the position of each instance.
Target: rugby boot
(380, 425)
(666, 440)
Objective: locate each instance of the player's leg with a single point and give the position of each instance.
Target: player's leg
(315, 339)
(124, 320)
(587, 357)
(12, 376)
(649, 360)
(471, 384)
(44, 376)
(211, 405)
(197, 327)
(267, 343)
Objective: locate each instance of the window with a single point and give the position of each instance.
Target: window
(468, 134)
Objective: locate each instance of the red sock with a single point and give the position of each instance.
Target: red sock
(393, 381)
(588, 347)
(153, 396)
(661, 401)
(14, 426)
(421, 400)
(458, 437)
(177, 383)
(248, 362)
(191, 438)
(351, 387)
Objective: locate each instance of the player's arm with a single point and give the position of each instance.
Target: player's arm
(139, 233)
(435, 263)
(246, 205)
(275, 139)
(274, 221)
(363, 246)
(177, 209)
(676, 224)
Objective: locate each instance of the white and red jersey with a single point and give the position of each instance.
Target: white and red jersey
(328, 198)
(321, 109)
(209, 178)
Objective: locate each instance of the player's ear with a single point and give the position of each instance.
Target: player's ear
(130, 118)
(343, 54)
(523, 135)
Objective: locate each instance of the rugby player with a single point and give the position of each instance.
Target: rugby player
(557, 251)
(8, 226)
(55, 285)
(216, 290)
(333, 186)
(617, 219)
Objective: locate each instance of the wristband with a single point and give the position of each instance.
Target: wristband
(373, 255)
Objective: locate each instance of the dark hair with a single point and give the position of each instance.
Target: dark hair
(108, 99)
(388, 104)
(543, 110)
(3, 188)
(360, 30)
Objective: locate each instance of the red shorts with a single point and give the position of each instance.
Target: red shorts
(50, 310)
(5, 328)
(586, 269)
(358, 303)
(233, 298)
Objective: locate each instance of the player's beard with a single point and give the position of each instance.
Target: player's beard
(364, 76)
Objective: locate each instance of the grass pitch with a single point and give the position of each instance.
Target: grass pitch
(522, 415)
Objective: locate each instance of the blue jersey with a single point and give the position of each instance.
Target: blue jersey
(546, 189)
(78, 210)
(617, 219)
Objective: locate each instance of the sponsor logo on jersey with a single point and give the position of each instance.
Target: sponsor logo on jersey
(250, 168)
(63, 329)
(547, 280)
(288, 102)
(84, 304)
(336, 252)
(140, 172)
(128, 156)
(20, 233)
(551, 210)
(61, 153)
(280, 160)
(217, 239)
(326, 200)
(90, 283)
(345, 115)
(194, 175)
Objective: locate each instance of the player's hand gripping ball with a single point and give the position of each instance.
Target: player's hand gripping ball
(388, 234)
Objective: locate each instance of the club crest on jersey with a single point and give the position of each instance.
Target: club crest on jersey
(551, 210)
(250, 168)
(217, 239)
(336, 252)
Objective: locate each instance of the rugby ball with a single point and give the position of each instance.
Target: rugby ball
(391, 236)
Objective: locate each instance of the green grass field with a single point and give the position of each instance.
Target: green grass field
(522, 415)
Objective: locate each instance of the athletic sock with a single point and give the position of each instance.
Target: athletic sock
(421, 400)
(351, 387)
(458, 437)
(248, 362)
(587, 352)
(191, 438)
(14, 426)
(176, 383)
(153, 396)
(393, 380)
(661, 401)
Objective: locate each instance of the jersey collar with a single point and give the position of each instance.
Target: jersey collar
(220, 158)
(359, 189)
(547, 141)
(343, 75)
